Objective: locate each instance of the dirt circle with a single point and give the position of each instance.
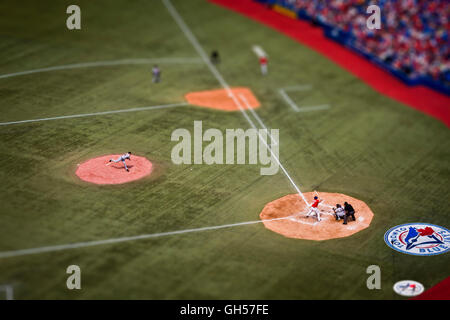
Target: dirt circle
(287, 216)
(98, 171)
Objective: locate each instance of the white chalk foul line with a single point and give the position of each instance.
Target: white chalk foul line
(191, 37)
(105, 64)
(293, 105)
(24, 252)
(97, 113)
(255, 115)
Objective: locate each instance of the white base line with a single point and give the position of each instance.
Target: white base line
(23, 252)
(97, 113)
(104, 64)
(191, 37)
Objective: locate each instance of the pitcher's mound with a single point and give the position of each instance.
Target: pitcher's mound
(96, 170)
(291, 221)
(219, 99)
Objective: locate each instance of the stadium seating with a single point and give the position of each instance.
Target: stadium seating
(413, 42)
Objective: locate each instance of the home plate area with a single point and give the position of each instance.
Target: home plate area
(296, 224)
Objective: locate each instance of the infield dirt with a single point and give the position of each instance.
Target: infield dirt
(220, 100)
(297, 225)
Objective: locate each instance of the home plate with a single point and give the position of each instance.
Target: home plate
(278, 216)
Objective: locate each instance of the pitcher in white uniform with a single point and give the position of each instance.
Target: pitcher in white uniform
(122, 158)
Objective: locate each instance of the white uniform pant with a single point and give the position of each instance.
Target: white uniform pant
(123, 161)
(264, 69)
(314, 210)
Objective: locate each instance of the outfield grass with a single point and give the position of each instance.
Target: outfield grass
(366, 146)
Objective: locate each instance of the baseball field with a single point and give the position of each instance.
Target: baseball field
(67, 96)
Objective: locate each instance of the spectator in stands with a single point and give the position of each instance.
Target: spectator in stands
(413, 39)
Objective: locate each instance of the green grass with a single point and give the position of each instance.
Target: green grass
(367, 146)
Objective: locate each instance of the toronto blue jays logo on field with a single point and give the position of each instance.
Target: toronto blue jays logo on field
(422, 239)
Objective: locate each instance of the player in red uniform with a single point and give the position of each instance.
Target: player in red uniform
(315, 208)
(263, 64)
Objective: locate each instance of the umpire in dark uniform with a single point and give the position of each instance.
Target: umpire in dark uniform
(349, 212)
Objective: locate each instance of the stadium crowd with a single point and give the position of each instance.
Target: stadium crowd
(414, 34)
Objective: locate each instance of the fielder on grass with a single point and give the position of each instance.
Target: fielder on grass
(156, 74)
(122, 158)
